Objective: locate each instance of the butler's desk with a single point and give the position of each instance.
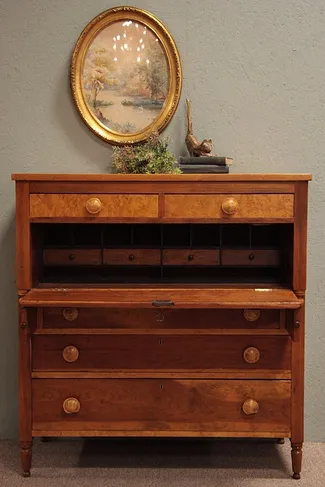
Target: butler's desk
(165, 305)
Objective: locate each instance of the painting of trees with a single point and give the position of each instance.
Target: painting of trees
(153, 72)
(98, 71)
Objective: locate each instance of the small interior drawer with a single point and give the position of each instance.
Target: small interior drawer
(226, 206)
(94, 206)
(72, 257)
(250, 257)
(131, 256)
(162, 405)
(190, 257)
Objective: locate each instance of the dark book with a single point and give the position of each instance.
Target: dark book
(203, 169)
(213, 160)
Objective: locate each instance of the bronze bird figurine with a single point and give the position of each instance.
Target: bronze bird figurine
(194, 146)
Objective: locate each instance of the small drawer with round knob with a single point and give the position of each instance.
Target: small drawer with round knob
(250, 257)
(191, 257)
(72, 257)
(132, 257)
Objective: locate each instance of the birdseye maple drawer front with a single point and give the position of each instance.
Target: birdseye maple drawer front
(160, 352)
(72, 257)
(191, 257)
(225, 206)
(100, 206)
(131, 256)
(161, 405)
(161, 318)
(250, 257)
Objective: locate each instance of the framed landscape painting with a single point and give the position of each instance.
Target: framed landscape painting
(126, 75)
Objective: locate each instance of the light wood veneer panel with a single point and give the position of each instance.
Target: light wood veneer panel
(210, 206)
(74, 205)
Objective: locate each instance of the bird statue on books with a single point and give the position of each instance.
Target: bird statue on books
(194, 146)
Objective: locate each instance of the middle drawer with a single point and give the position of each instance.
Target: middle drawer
(118, 352)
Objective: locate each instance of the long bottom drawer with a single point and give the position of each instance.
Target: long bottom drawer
(193, 407)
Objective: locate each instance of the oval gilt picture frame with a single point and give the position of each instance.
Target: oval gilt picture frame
(126, 75)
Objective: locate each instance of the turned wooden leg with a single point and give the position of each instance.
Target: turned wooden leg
(296, 456)
(26, 457)
(280, 441)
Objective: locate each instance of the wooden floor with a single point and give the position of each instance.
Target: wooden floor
(161, 463)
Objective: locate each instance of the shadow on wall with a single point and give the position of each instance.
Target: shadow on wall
(94, 153)
(8, 331)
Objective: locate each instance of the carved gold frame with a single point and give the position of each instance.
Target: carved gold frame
(175, 73)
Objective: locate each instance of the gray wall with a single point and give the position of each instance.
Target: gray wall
(255, 72)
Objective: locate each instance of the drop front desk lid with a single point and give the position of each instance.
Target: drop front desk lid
(171, 296)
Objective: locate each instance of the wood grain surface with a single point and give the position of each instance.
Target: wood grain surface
(157, 405)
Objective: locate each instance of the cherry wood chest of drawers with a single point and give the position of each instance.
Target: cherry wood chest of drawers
(161, 306)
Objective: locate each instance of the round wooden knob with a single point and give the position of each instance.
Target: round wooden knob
(131, 257)
(71, 405)
(190, 257)
(70, 314)
(230, 206)
(70, 354)
(250, 406)
(93, 206)
(251, 355)
(252, 314)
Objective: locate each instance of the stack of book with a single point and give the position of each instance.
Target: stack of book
(205, 165)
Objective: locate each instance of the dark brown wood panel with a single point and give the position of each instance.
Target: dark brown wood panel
(151, 404)
(250, 257)
(191, 257)
(131, 256)
(156, 186)
(72, 257)
(134, 318)
(154, 352)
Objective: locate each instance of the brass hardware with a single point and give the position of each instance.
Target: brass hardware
(250, 406)
(190, 257)
(93, 206)
(296, 324)
(23, 325)
(252, 314)
(230, 206)
(71, 405)
(70, 314)
(162, 302)
(251, 256)
(131, 257)
(251, 355)
(72, 257)
(160, 317)
(70, 354)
